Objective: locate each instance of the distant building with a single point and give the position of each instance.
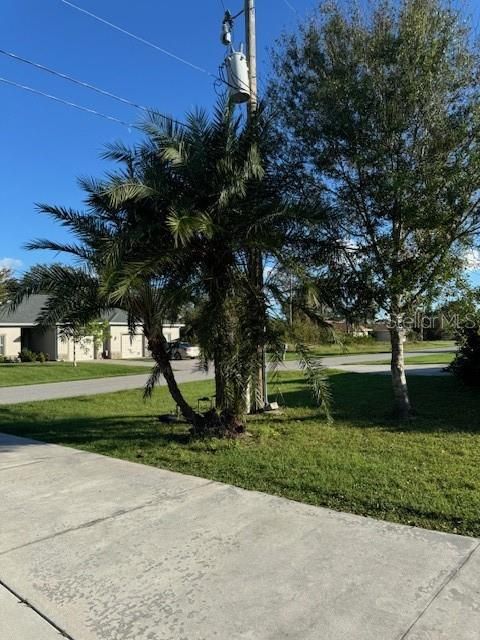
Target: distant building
(20, 330)
(355, 330)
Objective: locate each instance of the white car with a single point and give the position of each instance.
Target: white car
(183, 351)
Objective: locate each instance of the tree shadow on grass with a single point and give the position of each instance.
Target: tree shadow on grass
(82, 430)
(361, 400)
(442, 404)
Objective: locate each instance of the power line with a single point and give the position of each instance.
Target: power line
(65, 76)
(148, 43)
(290, 6)
(83, 84)
(65, 102)
(87, 85)
(139, 39)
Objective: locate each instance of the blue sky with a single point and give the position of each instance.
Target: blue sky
(45, 146)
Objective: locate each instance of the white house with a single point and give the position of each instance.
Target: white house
(19, 330)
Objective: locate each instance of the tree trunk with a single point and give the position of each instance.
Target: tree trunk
(157, 346)
(219, 382)
(74, 353)
(402, 407)
(258, 320)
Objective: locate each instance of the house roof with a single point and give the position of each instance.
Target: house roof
(27, 313)
(115, 316)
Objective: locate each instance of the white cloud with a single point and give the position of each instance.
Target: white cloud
(12, 264)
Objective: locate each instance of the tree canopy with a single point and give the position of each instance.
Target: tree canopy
(380, 113)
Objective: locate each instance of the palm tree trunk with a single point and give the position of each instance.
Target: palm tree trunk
(157, 346)
(219, 381)
(258, 315)
(402, 406)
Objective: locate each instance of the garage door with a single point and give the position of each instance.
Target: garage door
(132, 346)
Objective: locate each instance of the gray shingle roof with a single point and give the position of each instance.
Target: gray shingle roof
(25, 314)
(116, 316)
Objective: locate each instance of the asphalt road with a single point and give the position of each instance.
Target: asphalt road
(188, 371)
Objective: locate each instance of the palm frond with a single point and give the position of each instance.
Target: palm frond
(183, 225)
(119, 152)
(73, 293)
(316, 378)
(121, 193)
(175, 154)
(152, 381)
(77, 250)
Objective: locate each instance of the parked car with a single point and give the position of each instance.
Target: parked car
(182, 350)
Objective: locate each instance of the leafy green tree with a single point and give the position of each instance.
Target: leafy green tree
(83, 336)
(379, 112)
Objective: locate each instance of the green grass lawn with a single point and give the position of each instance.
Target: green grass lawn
(423, 473)
(431, 358)
(371, 347)
(12, 375)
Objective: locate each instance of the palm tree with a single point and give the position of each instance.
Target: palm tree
(223, 201)
(110, 239)
(177, 223)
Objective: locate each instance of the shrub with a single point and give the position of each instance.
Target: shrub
(26, 355)
(467, 362)
(6, 360)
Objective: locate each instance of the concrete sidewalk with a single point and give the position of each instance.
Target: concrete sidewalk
(111, 550)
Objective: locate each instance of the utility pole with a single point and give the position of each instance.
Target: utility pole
(251, 37)
(260, 398)
(291, 300)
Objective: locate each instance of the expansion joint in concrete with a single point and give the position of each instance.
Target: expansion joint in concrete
(440, 589)
(39, 613)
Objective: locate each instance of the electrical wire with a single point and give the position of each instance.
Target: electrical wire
(64, 76)
(149, 43)
(139, 38)
(290, 6)
(66, 102)
(83, 84)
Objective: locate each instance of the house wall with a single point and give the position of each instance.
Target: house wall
(13, 340)
(120, 347)
(115, 343)
(172, 332)
(84, 349)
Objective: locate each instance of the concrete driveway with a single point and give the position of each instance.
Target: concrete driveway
(102, 549)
